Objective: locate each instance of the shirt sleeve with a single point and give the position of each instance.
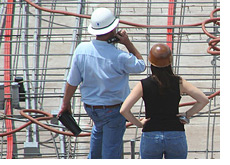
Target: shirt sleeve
(74, 77)
(130, 63)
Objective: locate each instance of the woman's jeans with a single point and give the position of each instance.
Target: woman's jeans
(107, 133)
(170, 144)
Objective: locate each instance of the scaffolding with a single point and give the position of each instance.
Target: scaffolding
(35, 58)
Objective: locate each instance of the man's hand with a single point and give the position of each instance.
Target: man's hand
(123, 37)
(65, 107)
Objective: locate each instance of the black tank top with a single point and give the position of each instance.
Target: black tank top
(161, 108)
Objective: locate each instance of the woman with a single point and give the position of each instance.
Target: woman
(163, 130)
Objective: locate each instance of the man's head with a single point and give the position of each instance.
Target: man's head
(160, 55)
(102, 22)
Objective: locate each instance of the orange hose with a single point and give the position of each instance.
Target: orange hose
(215, 20)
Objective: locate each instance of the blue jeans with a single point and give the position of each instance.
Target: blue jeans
(107, 133)
(170, 144)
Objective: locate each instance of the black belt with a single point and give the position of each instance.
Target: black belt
(102, 106)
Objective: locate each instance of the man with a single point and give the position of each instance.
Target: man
(103, 71)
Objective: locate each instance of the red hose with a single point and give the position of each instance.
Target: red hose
(56, 11)
(191, 103)
(215, 40)
(170, 22)
(121, 21)
(171, 6)
(7, 75)
(48, 116)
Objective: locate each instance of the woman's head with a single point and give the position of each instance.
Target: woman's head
(160, 55)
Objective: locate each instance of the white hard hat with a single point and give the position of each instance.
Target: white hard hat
(102, 22)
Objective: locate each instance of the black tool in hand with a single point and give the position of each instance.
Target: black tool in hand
(69, 122)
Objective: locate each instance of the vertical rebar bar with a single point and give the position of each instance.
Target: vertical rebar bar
(180, 33)
(132, 143)
(24, 34)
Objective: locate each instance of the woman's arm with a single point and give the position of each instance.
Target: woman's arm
(133, 97)
(195, 93)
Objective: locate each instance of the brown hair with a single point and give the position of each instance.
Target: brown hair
(164, 76)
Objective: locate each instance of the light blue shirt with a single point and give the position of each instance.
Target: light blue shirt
(103, 71)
